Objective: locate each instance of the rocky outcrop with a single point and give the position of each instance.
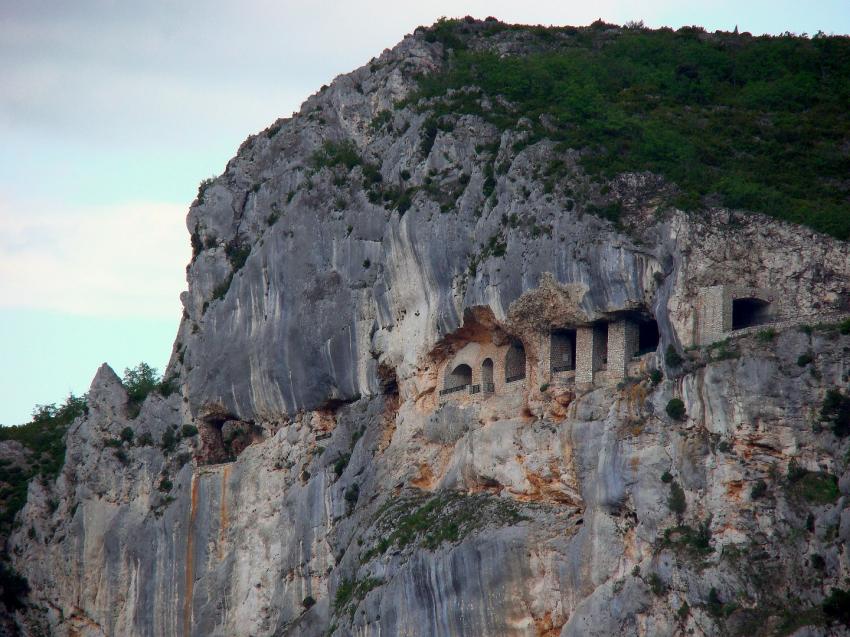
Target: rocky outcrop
(305, 479)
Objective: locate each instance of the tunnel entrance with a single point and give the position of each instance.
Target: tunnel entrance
(747, 312)
(648, 336)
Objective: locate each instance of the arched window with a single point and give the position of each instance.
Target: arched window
(461, 376)
(515, 362)
(562, 352)
(749, 311)
(487, 376)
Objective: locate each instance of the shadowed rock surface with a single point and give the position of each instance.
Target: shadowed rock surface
(339, 264)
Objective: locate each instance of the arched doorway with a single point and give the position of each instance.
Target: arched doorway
(515, 362)
(487, 385)
(459, 378)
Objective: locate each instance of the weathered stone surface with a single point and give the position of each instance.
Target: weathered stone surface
(316, 324)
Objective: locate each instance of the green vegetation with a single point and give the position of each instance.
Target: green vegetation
(836, 411)
(655, 376)
(332, 154)
(672, 357)
(759, 490)
(44, 436)
(693, 542)
(187, 431)
(757, 123)
(815, 487)
(341, 463)
(139, 382)
(308, 602)
(805, 359)
(656, 585)
(676, 409)
(13, 587)
(677, 501)
(202, 188)
(430, 521)
(237, 253)
(836, 607)
(353, 591)
(766, 335)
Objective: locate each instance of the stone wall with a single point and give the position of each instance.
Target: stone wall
(714, 309)
(622, 346)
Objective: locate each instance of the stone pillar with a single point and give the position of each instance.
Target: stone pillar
(622, 345)
(714, 317)
(588, 358)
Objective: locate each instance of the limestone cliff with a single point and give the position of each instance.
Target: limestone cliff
(346, 263)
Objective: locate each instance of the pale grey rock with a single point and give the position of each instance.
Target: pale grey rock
(308, 307)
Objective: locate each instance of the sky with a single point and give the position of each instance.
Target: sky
(112, 112)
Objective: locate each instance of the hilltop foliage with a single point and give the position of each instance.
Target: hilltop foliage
(44, 437)
(758, 123)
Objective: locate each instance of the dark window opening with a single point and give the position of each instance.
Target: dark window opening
(600, 343)
(648, 337)
(487, 376)
(748, 312)
(562, 353)
(515, 363)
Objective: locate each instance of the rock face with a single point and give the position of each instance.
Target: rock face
(340, 263)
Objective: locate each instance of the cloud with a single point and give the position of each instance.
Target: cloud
(110, 261)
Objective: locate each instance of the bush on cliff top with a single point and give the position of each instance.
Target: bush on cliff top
(758, 123)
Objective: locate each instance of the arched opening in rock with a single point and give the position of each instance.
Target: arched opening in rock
(648, 336)
(562, 350)
(515, 362)
(461, 376)
(749, 311)
(487, 384)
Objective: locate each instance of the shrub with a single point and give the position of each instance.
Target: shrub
(13, 587)
(837, 606)
(308, 602)
(805, 359)
(758, 490)
(237, 253)
(544, 386)
(145, 440)
(139, 381)
(766, 335)
(332, 154)
(836, 411)
(844, 326)
(677, 501)
(672, 357)
(165, 485)
(187, 431)
(127, 434)
(341, 463)
(666, 477)
(202, 188)
(676, 409)
(655, 376)
(367, 263)
(656, 585)
(352, 494)
(169, 441)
